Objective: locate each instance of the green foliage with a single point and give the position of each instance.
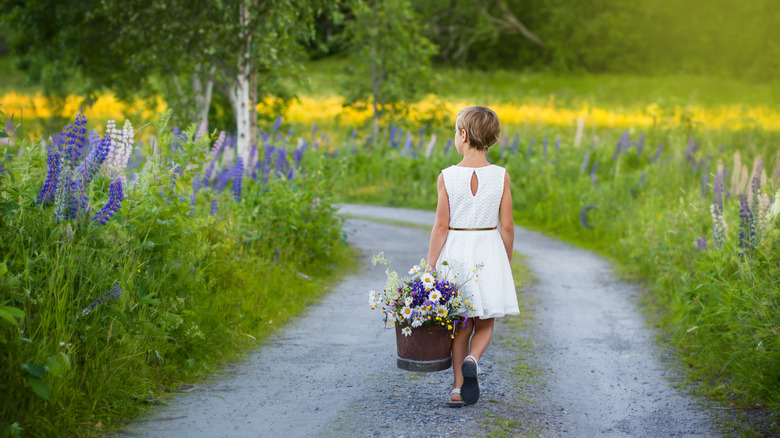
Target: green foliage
(196, 289)
(389, 58)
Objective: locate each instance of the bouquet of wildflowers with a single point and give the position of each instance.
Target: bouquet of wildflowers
(427, 298)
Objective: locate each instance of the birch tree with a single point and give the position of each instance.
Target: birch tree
(389, 57)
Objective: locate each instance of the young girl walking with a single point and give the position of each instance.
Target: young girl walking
(473, 233)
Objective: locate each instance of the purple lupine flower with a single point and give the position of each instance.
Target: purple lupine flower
(116, 196)
(717, 192)
(354, 133)
(640, 144)
(201, 131)
(289, 134)
(214, 207)
(584, 216)
(544, 147)
(290, 173)
(297, 156)
(281, 161)
(75, 135)
(54, 165)
(515, 144)
(690, 150)
(219, 144)
(109, 295)
(448, 146)
(238, 176)
(746, 231)
(705, 189)
(314, 130)
(393, 133)
(557, 143)
(407, 145)
(622, 144)
(368, 141)
(593, 175)
(585, 161)
(95, 158)
(277, 123)
(269, 151)
(530, 147)
(223, 177)
(701, 242)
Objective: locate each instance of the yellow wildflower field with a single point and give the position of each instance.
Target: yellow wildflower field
(331, 109)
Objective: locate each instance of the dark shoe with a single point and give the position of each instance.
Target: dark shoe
(470, 389)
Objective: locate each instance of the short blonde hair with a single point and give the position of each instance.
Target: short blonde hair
(481, 125)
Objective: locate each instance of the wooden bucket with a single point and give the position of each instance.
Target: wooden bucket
(426, 349)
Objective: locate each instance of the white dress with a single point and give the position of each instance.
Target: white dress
(493, 293)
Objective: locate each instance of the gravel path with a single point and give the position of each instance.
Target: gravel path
(586, 367)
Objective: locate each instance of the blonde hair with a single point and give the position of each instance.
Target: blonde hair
(481, 125)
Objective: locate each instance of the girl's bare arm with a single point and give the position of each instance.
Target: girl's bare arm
(505, 217)
(441, 225)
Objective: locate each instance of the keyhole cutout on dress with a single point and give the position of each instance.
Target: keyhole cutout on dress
(474, 183)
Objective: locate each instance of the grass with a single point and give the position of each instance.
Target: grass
(608, 90)
(515, 335)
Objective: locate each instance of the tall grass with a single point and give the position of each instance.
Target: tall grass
(98, 321)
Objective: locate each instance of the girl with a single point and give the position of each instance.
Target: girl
(474, 196)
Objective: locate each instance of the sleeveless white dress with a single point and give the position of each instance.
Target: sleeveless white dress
(478, 255)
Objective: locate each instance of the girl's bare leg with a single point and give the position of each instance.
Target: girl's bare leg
(460, 348)
(483, 333)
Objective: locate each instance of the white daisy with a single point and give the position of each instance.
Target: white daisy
(406, 331)
(408, 301)
(442, 312)
(417, 322)
(434, 296)
(372, 299)
(415, 269)
(406, 313)
(427, 280)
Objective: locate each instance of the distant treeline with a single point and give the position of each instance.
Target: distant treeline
(735, 38)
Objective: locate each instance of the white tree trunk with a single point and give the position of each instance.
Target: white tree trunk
(239, 101)
(202, 87)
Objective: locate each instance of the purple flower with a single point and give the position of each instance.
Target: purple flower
(544, 147)
(593, 175)
(297, 155)
(448, 146)
(223, 177)
(95, 158)
(705, 189)
(408, 145)
(641, 144)
(747, 232)
(277, 124)
(109, 295)
(584, 216)
(717, 192)
(54, 165)
(515, 144)
(214, 207)
(586, 161)
(314, 130)
(281, 161)
(558, 143)
(393, 133)
(530, 147)
(115, 197)
(238, 175)
(701, 242)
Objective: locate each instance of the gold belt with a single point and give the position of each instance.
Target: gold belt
(473, 229)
